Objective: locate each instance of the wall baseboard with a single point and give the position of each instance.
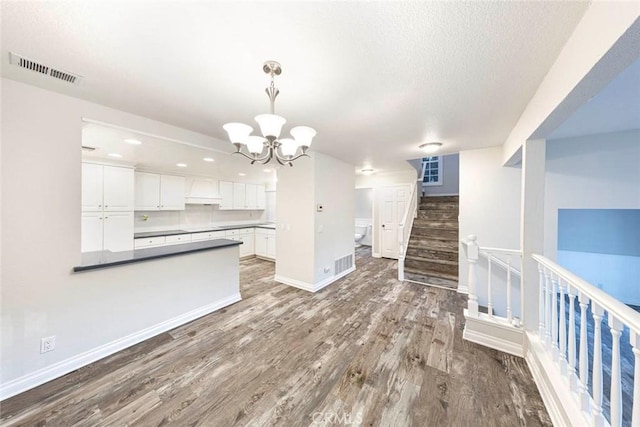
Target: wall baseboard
(559, 401)
(491, 332)
(71, 364)
(311, 287)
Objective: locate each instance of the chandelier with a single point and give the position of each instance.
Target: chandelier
(284, 150)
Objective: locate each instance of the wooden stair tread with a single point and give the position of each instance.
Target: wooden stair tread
(437, 261)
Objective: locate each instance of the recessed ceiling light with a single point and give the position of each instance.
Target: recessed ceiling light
(242, 174)
(116, 155)
(181, 165)
(266, 170)
(207, 159)
(430, 147)
(132, 141)
(367, 171)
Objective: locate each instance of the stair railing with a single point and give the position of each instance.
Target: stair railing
(558, 340)
(499, 257)
(404, 228)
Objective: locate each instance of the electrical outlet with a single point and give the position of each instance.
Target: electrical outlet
(48, 344)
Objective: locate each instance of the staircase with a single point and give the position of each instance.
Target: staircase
(432, 252)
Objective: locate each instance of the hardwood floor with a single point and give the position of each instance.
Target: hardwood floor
(367, 350)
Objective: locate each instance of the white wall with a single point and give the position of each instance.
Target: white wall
(592, 172)
(309, 241)
(40, 186)
(450, 178)
(490, 209)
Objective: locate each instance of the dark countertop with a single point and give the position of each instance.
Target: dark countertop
(102, 259)
(146, 234)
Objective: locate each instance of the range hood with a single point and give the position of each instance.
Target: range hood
(202, 192)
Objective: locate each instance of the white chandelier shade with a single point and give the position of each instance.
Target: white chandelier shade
(284, 150)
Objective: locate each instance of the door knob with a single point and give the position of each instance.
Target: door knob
(382, 225)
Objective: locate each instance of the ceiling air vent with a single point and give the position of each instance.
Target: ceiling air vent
(88, 148)
(32, 65)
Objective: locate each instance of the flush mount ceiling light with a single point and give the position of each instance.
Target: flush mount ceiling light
(181, 165)
(284, 150)
(115, 155)
(430, 147)
(207, 159)
(367, 171)
(132, 141)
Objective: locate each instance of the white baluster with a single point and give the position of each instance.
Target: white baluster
(584, 355)
(635, 413)
(549, 288)
(554, 318)
(472, 258)
(563, 330)
(573, 379)
(509, 288)
(616, 387)
(598, 313)
(490, 302)
(541, 302)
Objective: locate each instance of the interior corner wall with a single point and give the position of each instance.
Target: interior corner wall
(489, 203)
(590, 172)
(295, 219)
(41, 135)
(335, 225)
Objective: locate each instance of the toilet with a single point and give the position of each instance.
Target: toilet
(361, 233)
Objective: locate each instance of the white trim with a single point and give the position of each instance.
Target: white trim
(309, 286)
(63, 367)
(463, 289)
(510, 340)
(558, 399)
(441, 195)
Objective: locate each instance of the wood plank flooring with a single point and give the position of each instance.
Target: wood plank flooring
(367, 350)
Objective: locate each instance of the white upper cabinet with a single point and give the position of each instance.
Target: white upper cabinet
(118, 189)
(108, 188)
(251, 196)
(239, 193)
(261, 197)
(155, 192)
(226, 195)
(241, 196)
(92, 178)
(172, 192)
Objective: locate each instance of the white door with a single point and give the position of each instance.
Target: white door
(91, 187)
(172, 192)
(118, 189)
(118, 231)
(147, 191)
(393, 203)
(91, 232)
(239, 201)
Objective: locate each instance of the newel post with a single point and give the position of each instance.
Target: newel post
(472, 259)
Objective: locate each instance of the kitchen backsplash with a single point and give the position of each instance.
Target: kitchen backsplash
(194, 216)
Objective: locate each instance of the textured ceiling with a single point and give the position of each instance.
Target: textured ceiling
(375, 79)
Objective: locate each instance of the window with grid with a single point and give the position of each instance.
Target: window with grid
(432, 170)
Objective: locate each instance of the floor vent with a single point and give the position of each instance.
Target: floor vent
(29, 64)
(343, 264)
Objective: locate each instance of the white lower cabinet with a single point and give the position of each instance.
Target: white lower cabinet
(265, 243)
(207, 235)
(112, 231)
(178, 238)
(145, 242)
(244, 235)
